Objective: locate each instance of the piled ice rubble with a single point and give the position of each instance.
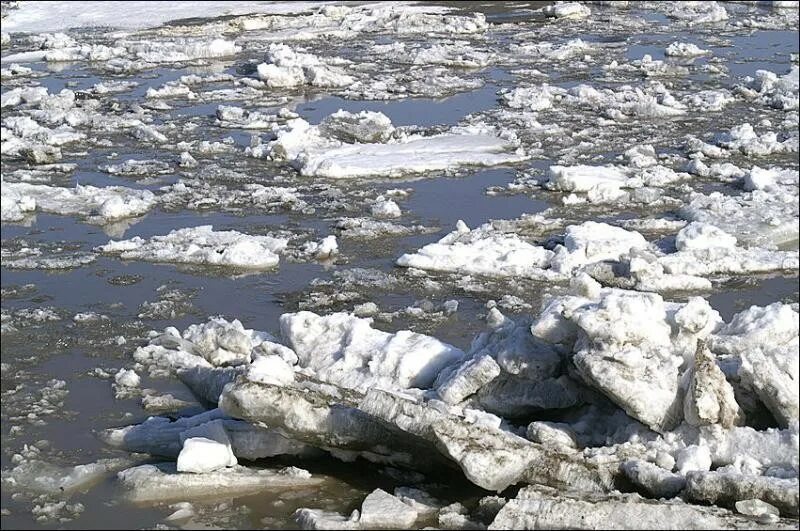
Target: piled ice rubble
(743, 138)
(639, 366)
(46, 125)
(135, 51)
(138, 168)
(547, 52)
(640, 182)
(671, 383)
(200, 194)
(25, 138)
(237, 117)
(765, 341)
(368, 228)
(780, 92)
(760, 218)
(611, 405)
(348, 352)
(459, 54)
(348, 145)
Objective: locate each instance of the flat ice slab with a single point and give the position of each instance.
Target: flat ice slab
(366, 144)
(414, 155)
(160, 483)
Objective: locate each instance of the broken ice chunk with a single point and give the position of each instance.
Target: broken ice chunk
(709, 397)
(684, 49)
(693, 458)
(381, 510)
(654, 480)
(481, 251)
(319, 519)
(467, 379)
(766, 341)
(127, 378)
(726, 489)
(756, 507)
(206, 448)
(699, 235)
(287, 67)
(566, 10)
(346, 350)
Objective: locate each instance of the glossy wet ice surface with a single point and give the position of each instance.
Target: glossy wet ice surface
(36, 354)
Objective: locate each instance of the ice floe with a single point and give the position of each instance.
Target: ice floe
(206, 448)
(286, 67)
(757, 218)
(202, 246)
(96, 205)
(482, 251)
(379, 510)
(780, 92)
(693, 13)
(684, 49)
(567, 10)
(347, 145)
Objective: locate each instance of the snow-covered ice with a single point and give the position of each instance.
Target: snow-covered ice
(366, 144)
(54, 16)
(96, 205)
(346, 350)
(202, 246)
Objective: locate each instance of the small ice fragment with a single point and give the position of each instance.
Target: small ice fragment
(127, 378)
(206, 448)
